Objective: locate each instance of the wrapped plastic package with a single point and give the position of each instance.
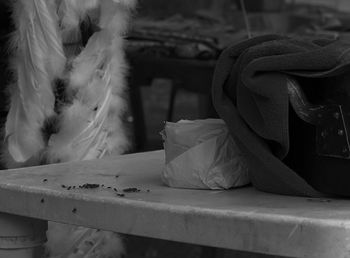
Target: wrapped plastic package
(201, 154)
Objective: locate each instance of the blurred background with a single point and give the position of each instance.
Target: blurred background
(173, 47)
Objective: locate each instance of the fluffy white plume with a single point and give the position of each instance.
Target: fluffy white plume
(93, 122)
(39, 57)
(89, 125)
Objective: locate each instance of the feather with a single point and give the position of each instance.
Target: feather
(102, 55)
(71, 13)
(97, 79)
(39, 58)
(83, 121)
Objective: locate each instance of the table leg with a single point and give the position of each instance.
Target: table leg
(140, 134)
(21, 237)
(171, 105)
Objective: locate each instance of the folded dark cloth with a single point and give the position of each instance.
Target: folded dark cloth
(250, 93)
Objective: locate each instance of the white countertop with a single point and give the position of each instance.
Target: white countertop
(241, 219)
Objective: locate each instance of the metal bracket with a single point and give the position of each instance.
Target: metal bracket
(332, 135)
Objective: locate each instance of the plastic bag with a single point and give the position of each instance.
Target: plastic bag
(201, 154)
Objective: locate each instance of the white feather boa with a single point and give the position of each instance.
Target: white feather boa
(89, 124)
(66, 102)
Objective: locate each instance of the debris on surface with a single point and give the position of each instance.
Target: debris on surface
(95, 186)
(131, 190)
(89, 186)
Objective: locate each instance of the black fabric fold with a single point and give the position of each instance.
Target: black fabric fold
(250, 94)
